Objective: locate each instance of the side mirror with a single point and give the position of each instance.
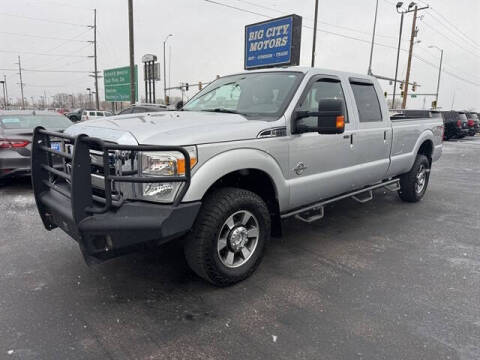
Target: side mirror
(330, 118)
(179, 105)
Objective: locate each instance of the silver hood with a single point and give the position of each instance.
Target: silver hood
(171, 128)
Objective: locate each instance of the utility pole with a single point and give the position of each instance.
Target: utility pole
(369, 72)
(410, 53)
(314, 33)
(132, 51)
(6, 90)
(398, 58)
(21, 82)
(97, 102)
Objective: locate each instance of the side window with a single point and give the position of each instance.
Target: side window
(320, 90)
(367, 102)
(84, 113)
(91, 113)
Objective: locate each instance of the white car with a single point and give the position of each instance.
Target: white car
(94, 114)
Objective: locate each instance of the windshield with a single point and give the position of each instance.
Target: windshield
(253, 95)
(32, 121)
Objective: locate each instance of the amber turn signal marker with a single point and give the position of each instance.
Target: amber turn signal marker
(181, 165)
(340, 122)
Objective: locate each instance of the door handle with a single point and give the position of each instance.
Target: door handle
(346, 136)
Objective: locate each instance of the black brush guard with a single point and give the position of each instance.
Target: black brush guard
(104, 226)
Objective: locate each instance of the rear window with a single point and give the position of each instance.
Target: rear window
(100, 113)
(367, 102)
(32, 121)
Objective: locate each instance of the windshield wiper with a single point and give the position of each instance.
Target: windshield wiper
(222, 110)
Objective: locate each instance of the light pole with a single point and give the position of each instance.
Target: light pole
(165, 71)
(439, 72)
(314, 33)
(398, 8)
(369, 72)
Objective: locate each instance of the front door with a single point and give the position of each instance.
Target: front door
(319, 164)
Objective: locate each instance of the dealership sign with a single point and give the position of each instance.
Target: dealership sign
(273, 42)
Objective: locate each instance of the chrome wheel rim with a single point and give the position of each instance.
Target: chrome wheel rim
(421, 179)
(238, 239)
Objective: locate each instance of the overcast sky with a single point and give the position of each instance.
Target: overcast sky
(208, 40)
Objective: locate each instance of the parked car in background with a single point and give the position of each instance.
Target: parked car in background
(62, 111)
(94, 114)
(470, 123)
(453, 124)
(463, 118)
(473, 123)
(16, 129)
(143, 108)
(76, 115)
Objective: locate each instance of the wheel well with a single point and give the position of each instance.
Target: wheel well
(426, 149)
(258, 182)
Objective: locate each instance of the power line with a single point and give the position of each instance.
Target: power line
(347, 37)
(320, 21)
(39, 54)
(46, 71)
(449, 39)
(41, 19)
(40, 36)
(453, 26)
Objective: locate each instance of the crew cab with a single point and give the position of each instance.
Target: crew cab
(247, 151)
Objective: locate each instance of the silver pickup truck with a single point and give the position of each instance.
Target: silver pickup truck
(247, 151)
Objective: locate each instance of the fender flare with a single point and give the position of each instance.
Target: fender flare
(424, 136)
(234, 160)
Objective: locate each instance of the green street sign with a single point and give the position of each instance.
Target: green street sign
(413, 95)
(117, 84)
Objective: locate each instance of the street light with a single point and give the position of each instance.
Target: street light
(398, 7)
(439, 72)
(165, 71)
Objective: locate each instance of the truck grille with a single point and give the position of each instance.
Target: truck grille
(101, 170)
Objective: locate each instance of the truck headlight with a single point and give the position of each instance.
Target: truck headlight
(164, 163)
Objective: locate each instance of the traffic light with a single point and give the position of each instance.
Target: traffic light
(186, 86)
(434, 104)
(199, 85)
(385, 94)
(414, 86)
(401, 93)
(401, 85)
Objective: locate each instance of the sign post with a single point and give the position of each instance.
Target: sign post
(273, 42)
(117, 84)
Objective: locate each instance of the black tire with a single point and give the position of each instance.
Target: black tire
(410, 189)
(201, 246)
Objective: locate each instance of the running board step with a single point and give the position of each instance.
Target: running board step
(316, 211)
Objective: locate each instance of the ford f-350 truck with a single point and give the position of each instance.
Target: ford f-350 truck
(247, 151)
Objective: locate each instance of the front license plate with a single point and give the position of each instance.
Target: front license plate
(55, 146)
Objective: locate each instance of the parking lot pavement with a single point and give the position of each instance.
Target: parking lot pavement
(382, 280)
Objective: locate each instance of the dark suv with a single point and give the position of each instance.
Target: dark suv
(455, 124)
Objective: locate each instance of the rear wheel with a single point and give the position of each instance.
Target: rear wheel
(229, 236)
(413, 184)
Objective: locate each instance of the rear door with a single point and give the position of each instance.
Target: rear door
(320, 165)
(372, 139)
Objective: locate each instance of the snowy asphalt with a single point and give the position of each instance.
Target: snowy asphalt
(381, 280)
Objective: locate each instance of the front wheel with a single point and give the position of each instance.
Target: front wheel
(413, 184)
(229, 236)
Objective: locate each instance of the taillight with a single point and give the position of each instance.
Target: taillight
(470, 122)
(459, 124)
(7, 144)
